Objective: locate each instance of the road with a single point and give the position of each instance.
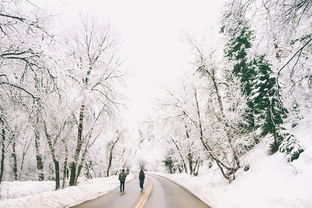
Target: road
(158, 192)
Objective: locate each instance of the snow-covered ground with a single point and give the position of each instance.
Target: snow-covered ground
(271, 182)
(17, 189)
(70, 196)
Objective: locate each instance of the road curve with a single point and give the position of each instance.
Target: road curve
(159, 192)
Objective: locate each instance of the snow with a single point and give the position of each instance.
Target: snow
(17, 189)
(67, 197)
(271, 182)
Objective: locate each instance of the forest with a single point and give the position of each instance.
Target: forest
(59, 98)
(259, 88)
(62, 103)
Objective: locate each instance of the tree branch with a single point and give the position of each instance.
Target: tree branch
(20, 88)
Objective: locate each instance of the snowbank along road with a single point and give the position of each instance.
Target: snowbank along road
(159, 192)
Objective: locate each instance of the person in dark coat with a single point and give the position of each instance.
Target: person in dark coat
(122, 179)
(141, 178)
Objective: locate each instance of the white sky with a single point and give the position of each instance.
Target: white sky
(151, 33)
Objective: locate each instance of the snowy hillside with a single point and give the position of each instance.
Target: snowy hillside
(271, 181)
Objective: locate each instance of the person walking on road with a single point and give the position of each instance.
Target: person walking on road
(141, 178)
(122, 179)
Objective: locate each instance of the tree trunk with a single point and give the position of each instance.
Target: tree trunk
(55, 161)
(65, 168)
(110, 159)
(2, 155)
(109, 162)
(57, 174)
(196, 167)
(220, 164)
(190, 161)
(73, 167)
(64, 172)
(226, 125)
(170, 170)
(38, 156)
(14, 158)
(25, 149)
(188, 138)
(180, 153)
(82, 163)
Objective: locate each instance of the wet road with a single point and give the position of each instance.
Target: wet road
(158, 192)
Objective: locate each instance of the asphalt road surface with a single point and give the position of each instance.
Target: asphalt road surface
(158, 192)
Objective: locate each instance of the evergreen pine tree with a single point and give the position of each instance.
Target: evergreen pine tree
(267, 107)
(269, 110)
(259, 84)
(236, 51)
(290, 145)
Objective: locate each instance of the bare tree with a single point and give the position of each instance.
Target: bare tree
(95, 71)
(22, 38)
(111, 146)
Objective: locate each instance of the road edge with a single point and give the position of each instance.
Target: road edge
(182, 186)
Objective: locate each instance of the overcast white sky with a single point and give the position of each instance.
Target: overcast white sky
(151, 33)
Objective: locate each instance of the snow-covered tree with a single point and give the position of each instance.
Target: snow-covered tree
(56, 94)
(23, 73)
(236, 50)
(270, 114)
(203, 119)
(259, 81)
(93, 68)
(282, 30)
